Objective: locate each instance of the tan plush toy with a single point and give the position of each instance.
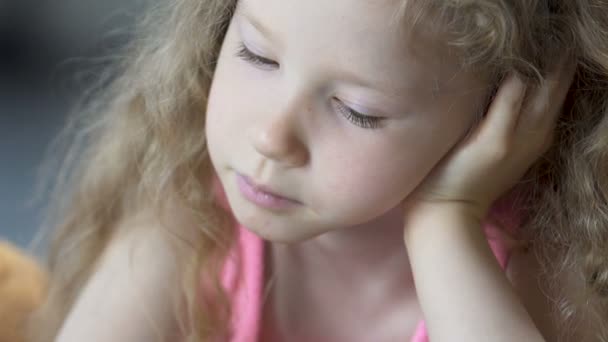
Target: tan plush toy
(22, 288)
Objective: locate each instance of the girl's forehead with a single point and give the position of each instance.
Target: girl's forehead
(346, 19)
(358, 39)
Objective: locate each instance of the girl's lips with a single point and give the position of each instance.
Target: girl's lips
(262, 195)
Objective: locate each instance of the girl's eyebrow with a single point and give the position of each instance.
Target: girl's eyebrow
(246, 14)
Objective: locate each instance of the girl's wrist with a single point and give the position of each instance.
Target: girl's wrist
(432, 219)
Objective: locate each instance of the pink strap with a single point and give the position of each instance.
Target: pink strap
(243, 279)
(420, 334)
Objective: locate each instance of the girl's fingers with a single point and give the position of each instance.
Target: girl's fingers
(561, 83)
(515, 115)
(503, 114)
(544, 106)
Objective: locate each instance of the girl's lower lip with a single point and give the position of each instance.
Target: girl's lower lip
(262, 198)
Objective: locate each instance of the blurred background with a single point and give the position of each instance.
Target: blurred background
(47, 49)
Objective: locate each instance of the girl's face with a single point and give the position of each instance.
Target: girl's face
(328, 104)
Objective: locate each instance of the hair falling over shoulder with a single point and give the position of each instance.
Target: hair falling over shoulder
(143, 145)
(143, 138)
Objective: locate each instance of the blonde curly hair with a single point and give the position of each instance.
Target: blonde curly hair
(138, 144)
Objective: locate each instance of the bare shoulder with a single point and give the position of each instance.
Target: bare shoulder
(524, 272)
(130, 289)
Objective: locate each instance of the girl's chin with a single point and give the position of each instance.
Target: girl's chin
(282, 234)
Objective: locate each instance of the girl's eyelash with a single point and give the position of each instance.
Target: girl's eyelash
(361, 120)
(244, 53)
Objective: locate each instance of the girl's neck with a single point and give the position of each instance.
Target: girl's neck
(361, 269)
(365, 250)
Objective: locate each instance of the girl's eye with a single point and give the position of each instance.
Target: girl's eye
(244, 53)
(361, 120)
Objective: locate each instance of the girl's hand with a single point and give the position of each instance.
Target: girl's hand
(497, 154)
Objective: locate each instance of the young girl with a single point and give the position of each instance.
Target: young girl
(334, 170)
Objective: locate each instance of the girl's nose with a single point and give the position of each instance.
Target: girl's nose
(278, 140)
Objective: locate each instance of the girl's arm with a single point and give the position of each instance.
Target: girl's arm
(128, 298)
(470, 298)
(462, 289)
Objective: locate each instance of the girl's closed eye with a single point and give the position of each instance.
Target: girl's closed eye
(247, 55)
(359, 119)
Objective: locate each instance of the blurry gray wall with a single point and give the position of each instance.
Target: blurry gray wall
(43, 45)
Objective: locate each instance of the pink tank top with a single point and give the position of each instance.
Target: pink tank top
(243, 278)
